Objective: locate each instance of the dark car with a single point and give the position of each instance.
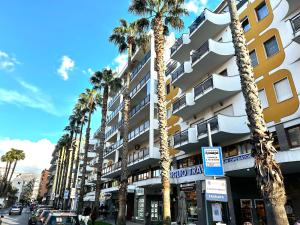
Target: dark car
(62, 218)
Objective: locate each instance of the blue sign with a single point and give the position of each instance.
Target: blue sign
(212, 161)
(216, 197)
(216, 190)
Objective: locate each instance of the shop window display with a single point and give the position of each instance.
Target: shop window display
(140, 210)
(246, 211)
(191, 201)
(260, 211)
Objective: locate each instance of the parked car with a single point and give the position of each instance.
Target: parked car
(15, 210)
(36, 216)
(62, 218)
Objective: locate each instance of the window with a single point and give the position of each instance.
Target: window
(263, 98)
(294, 136)
(261, 11)
(253, 58)
(271, 46)
(224, 73)
(168, 88)
(245, 24)
(283, 90)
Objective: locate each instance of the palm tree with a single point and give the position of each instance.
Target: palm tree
(103, 81)
(91, 99)
(268, 173)
(127, 37)
(4, 159)
(9, 157)
(161, 15)
(17, 156)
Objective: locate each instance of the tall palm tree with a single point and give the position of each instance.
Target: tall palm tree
(105, 82)
(91, 99)
(268, 173)
(5, 160)
(128, 36)
(161, 14)
(17, 156)
(9, 157)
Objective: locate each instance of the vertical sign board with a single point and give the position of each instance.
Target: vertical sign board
(212, 161)
(216, 190)
(66, 194)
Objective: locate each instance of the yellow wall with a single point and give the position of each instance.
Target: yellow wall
(260, 33)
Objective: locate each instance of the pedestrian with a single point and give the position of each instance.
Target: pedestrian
(86, 214)
(94, 216)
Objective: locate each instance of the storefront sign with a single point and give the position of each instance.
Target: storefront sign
(212, 161)
(186, 171)
(216, 190)
(73, 193)
(237, 158)
(139, 191)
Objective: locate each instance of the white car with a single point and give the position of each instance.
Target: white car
(15, 210)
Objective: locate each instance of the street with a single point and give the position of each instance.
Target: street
(15, 219)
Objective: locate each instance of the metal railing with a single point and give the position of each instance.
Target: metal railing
(181, 102)
(197, 22)
(170, 67)
(111, 168)
(138, 107)
(140, 65)
(202, 126)
(200, 52)
(138, 155)
(176, 45)
(140, 84)
(295, 21)
(113, 129)
(136, 132)
(113, 147)
(240, 4)
(111, 102)
(201, 88)
(181, 137)
(114, 113)
(178, 72)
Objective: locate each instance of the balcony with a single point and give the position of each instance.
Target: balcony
(117, 145)
(139, 133)
(113, 103)
(180, 75)
(112, 170)
(180, 51)
(295, 21)
(138, 112)
(293, 6)
(185, 139)
(91, 155)
(182, 105)
(140, 85)
(114, 113)
(223, 128)
(140, 66)
(113, 130)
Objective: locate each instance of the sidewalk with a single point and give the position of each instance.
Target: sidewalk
(110, 221)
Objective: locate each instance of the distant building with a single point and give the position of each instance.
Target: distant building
(20, 181)
(43, 183)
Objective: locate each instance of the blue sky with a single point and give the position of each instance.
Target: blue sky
(48, 49)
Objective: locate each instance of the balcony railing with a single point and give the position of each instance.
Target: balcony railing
(111, 102)
(113, 129)
(140, 85)
(296, 23)
(178, 72)
(181, 102)
(240, 4)
(111, 168)
(140, 65)
(170, 67)
(203, 87)
(139, 130)
(114, 113)
(197, 22)
(176, 45)
(113, 147)
(139, 155)
(200, 52)
(202, 126)
(138, 107)
(181, 137)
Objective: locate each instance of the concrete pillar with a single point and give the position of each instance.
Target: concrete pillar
(200, 204)
(282, 137)
(230, 203)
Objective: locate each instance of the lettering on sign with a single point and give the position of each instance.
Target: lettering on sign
(186, 172)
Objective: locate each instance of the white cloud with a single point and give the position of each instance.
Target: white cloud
(195, 6)
(7, 62)
(66, 66)
(89, 71)
(38, 154)
(32, 97)
(120, 62)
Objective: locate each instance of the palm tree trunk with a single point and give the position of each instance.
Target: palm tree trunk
(12, 171)
(268, 173)
(4, 178)
(59, 167)
(124, 171)
(5, 183)
(63, 164)
(159, 42)
(101, 147)
(86, 149)
(77, 157)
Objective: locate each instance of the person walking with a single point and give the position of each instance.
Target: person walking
(86, 214)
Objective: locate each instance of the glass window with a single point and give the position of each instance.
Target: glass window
(253, 58)
(271, 46)
(263, 98)
(245, 24)
(294, 136)
(140, 208)
(283, 90)
(261, 11)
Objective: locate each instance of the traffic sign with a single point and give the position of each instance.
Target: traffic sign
(216, 190)
(212, 161)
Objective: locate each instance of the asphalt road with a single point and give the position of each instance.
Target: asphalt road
(15, 219)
